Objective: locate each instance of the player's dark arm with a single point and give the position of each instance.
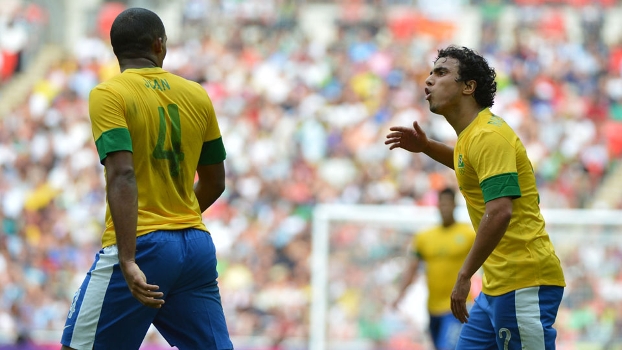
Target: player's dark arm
(211, 184)
(491, 229)
(407, 279)
(122, 196)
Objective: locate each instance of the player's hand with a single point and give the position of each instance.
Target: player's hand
(458, 299)
(137, 282)
(411, 139)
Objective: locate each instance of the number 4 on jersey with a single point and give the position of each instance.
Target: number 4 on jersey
(173, 155)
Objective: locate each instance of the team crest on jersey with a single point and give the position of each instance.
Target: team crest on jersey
(460, 164)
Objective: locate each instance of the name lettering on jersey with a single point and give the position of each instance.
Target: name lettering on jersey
(157, 84)
(460, 164)
(496, 121)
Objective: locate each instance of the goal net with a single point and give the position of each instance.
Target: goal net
(360, 252)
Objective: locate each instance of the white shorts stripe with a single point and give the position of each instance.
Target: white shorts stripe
(90, 308)
(527, 305)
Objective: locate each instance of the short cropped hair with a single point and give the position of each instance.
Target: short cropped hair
(474, 67)
(134, 31)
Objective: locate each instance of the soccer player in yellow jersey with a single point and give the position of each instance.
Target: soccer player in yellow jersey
(153, 131)
(523, 280)
(443, 249)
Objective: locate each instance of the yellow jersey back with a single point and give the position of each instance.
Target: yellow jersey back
(169, 124)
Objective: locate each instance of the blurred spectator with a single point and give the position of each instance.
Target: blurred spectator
(20, 24)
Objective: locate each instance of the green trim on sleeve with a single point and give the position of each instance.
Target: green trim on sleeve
(502, 185)
(113, 140)
(212, 152)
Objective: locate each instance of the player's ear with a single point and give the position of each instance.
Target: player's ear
(158, 45)
(469, 87)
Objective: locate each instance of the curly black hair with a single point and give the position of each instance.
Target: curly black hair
(474, 67)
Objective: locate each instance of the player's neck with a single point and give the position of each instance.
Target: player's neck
(137, 63)
(448, 223)
(460, 118)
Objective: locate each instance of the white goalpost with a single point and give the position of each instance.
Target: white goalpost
(568, 228)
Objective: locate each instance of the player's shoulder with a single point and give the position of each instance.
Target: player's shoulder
(112, 84)
(494, 124)
(194, 90)
(491, 131)
(428, 232)
(186, 83)
(105, 88)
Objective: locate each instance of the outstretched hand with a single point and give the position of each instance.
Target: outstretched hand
(137, 282)
(411, 139)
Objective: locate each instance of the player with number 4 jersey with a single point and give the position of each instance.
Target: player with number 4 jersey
(169, 124)
(154, 132)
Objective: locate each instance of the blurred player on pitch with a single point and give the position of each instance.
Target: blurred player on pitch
(523, 281)
(443, 249)
(153, 131)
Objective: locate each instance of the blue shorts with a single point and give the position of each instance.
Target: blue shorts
(105, 315)
(522, 319)
(445, 330)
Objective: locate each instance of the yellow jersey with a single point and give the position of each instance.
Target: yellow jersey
(443, 249)
(491, 162)
(169, 124)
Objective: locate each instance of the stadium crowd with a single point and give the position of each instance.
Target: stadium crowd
(21, 25)
(303, 123)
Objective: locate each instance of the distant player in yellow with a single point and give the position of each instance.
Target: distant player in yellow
(523, 281)
(154, 131)
(443, 249)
